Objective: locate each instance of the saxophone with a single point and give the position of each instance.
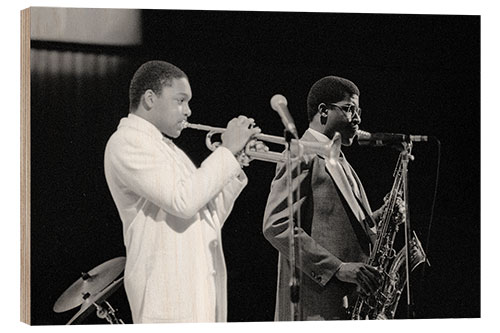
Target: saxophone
(383, 302)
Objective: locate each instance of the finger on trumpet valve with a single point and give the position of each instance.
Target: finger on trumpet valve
(261, 147)
(243, 158)
(257, 145)
(251, 123)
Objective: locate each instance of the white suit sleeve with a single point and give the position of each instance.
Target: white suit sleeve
(145, 167)
(224, 201)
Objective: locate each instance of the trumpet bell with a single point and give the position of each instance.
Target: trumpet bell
(298, 150)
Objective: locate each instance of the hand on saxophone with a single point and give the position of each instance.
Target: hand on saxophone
(237, 134)
(398, 213)
(400, 210)
(366, 277)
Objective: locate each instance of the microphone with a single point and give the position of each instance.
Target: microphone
(384, 139)
(279, 104)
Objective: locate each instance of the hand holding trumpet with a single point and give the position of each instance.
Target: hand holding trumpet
(238, 132)
(238, 137)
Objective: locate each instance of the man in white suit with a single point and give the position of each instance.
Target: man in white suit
(172, 212)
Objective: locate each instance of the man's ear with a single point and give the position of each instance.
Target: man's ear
(148, 98)
(322, 110)
(323, 113)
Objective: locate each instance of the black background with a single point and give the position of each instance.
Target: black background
(417, 74)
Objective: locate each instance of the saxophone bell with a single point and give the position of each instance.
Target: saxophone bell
(382, 303)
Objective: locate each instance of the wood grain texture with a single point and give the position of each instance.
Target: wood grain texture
(25, 168)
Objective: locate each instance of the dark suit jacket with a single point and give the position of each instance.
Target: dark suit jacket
(330, 234)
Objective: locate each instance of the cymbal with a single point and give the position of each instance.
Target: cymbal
(89, 284)
(86, 309)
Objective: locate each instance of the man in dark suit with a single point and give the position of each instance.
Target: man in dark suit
(337, 224)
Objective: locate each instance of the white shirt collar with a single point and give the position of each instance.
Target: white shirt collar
(141, 124)
(318, 135)
(323, 138)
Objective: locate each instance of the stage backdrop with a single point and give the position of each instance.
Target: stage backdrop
(418, 74)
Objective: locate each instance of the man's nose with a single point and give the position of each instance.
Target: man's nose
(356, 118)
(187, 111)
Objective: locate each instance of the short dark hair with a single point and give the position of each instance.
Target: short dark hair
(152, 75)
(329, 89)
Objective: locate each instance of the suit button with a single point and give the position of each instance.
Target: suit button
(214, 273)
(313, 274)
(318, 278)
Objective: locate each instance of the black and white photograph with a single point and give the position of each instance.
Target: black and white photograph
(221, 165)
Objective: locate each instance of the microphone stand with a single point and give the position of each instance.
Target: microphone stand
(406, 156)
(294, 244)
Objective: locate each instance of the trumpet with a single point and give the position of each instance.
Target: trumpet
(298, 148)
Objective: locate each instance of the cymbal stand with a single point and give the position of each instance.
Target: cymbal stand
(107, 312)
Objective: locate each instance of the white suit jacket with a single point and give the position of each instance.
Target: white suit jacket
(172, 215)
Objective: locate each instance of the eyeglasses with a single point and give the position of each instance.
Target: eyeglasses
(349, 109)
